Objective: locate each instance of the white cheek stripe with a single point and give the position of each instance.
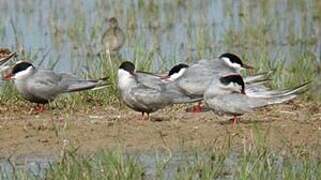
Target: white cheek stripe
(175, 76)
(23, 74)
(235, 66)
(234, 87)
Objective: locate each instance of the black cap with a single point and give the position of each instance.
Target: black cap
(233, 58)
(127, 66)
(21, 66)
(233, 78)
(177, 68)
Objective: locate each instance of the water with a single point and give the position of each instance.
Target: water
(159, 165)
(35, 165)
(170, 31)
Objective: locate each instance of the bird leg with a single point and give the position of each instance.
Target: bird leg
(196, 109)
(148, 117)
(235, 120)
(143, 116)
(39, 108)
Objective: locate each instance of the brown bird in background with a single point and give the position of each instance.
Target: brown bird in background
(114, 37)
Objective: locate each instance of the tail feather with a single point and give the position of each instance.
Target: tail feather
(258, 77)
(281, 99)
(100, 87)
(81, 85)
(266, 93)
(287, 95)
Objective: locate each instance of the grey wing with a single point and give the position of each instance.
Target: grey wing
(176, 96)
(195, 80)
(149, 98)
(150, 81)
(168, 90)
(71, 83)
(239, 104)
(45, 84)
(199, 76)
(67, 76)
(229, 104)
(259, 90)
(261, 77)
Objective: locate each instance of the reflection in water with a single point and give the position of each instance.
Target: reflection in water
(169, 31)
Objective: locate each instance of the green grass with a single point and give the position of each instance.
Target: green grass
(257, 161)
(256, 41)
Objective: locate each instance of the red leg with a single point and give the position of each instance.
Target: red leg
(235, 120)
(143, 114)
(148, 117)
(40, 108)
(196, 109)
(199, 107)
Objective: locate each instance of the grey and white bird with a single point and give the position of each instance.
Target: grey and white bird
(195, 80)
(226, 95)
(147, 97)
(198, 76)
(42, 86)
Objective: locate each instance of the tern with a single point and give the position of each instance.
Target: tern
(43, 86)
(227, 95)
(147, 97)
(197, 77)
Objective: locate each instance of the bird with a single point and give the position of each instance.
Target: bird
(227, 95)
(5, 53)
(5, 56)
(43, 86)
(114, 37)
(147, 97)
(197, 77)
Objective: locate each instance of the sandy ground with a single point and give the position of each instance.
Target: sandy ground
(291, 127)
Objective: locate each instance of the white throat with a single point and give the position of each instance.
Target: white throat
(177, 75)
(235, 66)
(23, 74)
(124, 79)
(232, 87)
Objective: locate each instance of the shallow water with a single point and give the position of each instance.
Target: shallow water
(152, 162)
(70, 31)
(35, 165)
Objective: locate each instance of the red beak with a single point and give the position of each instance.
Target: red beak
(247, 66)
(7, 77)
